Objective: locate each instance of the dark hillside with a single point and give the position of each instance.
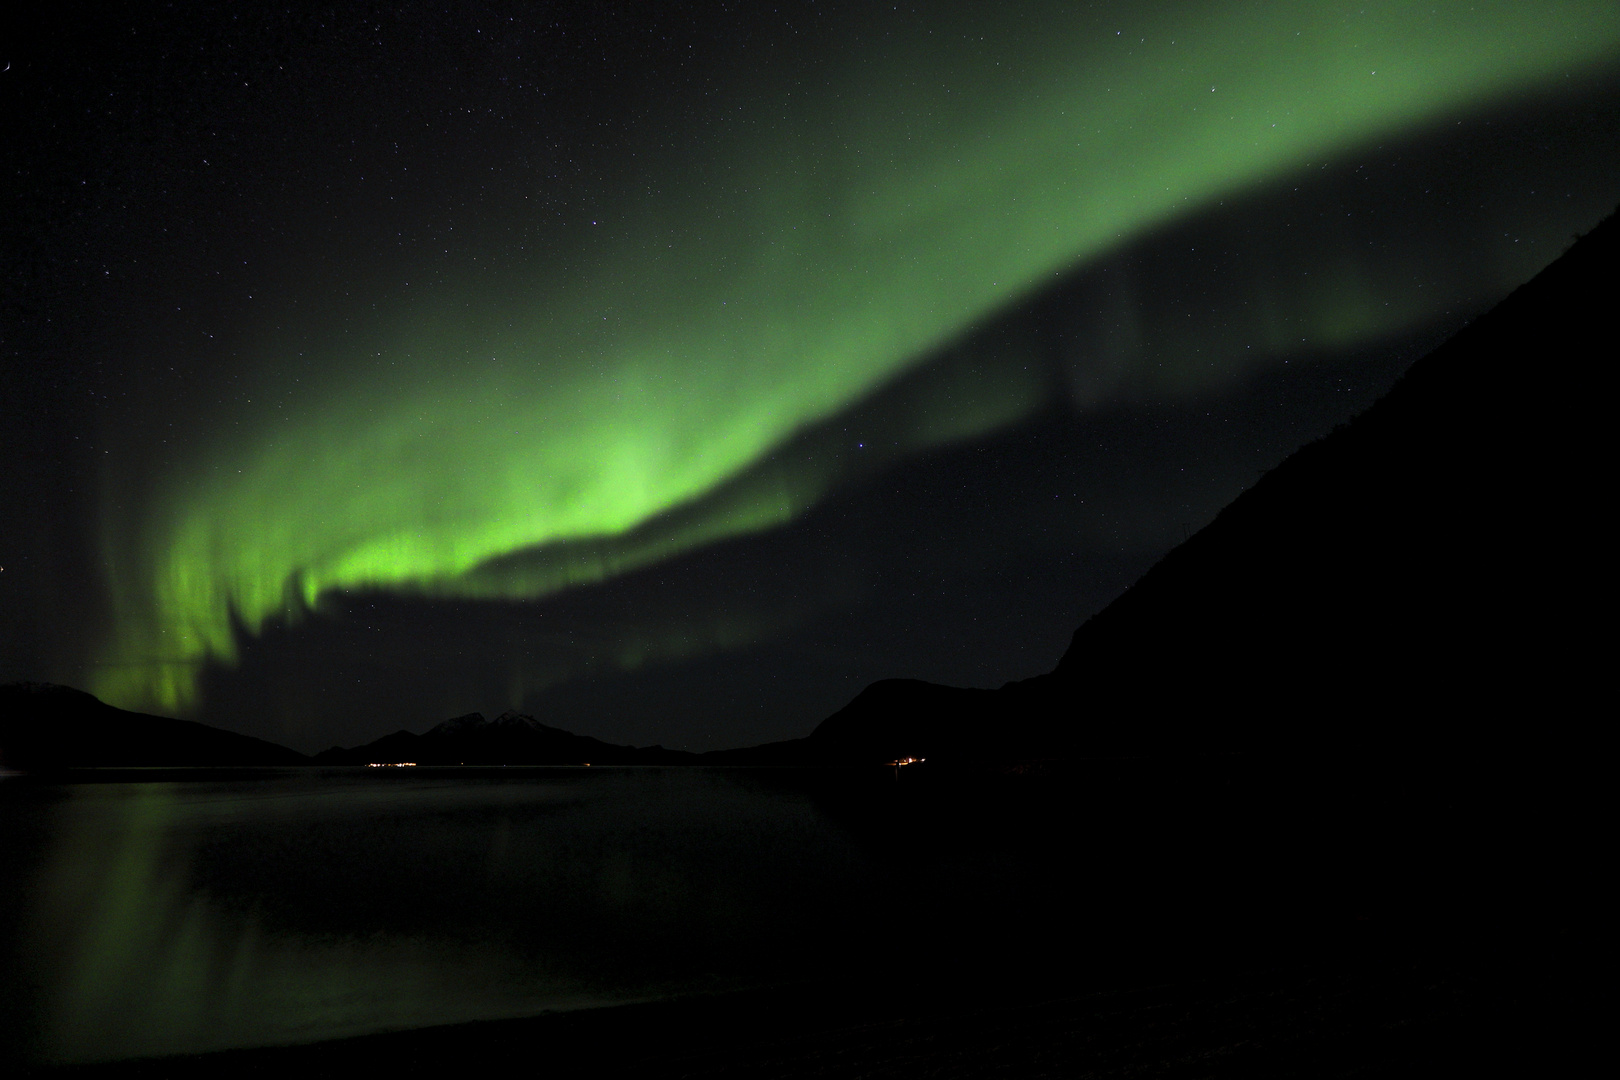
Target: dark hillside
(44, 727)
(1423, 578)
(509, 739)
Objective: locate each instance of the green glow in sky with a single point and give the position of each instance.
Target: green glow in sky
(777, 278)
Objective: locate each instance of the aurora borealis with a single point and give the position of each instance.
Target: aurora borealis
(453, 346)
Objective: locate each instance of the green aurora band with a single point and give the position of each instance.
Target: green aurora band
(585, 412)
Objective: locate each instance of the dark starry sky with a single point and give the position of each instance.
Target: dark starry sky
(210, 212)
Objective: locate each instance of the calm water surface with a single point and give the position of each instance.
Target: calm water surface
(180, 912)
(155, 912)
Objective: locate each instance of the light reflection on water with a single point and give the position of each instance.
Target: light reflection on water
(165, 917)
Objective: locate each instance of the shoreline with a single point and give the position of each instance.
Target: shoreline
(1360, 1008)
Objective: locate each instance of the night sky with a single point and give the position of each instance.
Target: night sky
(672, 373)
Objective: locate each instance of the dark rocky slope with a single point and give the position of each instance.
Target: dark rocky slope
(44, 727)
(1424, 578)
(509, 739)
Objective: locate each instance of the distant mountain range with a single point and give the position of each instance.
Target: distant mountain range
(1424, 577)
(43, 726)
(509, 739)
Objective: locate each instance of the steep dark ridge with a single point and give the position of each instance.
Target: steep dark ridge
(1421, 579)
(45, 727)
(510, 739)
(893, 719)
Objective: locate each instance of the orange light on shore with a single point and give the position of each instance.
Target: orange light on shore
(897, 763)
(391, 765)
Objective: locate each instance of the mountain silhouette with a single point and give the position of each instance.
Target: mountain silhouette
(44, 726)
(1421, 579)
(510, 739)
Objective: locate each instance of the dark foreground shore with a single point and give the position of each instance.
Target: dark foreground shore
(1363, 1007)
(1126, 918)
(1363, 999)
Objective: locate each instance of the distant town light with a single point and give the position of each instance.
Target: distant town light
(897, 763)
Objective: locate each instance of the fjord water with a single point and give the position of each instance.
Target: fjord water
(154, 912)
(186, 911)
(158, 912)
